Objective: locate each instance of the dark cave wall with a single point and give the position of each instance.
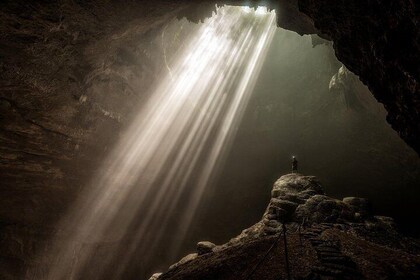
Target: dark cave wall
(71, 74)
(378, 41)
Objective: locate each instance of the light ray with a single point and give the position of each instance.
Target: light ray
(171, 151)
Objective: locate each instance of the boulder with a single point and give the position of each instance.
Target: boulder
(205, 247)
(288, 206)
(294, 184)
(283, 209)
(272, 223)
(272, 217)
(272, 209)
(307, 194)
(296, 198)
(324, 209)
(272, 230)
(359, 205)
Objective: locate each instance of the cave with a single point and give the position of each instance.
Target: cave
(154, 139)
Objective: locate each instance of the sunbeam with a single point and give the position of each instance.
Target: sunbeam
(173, 148)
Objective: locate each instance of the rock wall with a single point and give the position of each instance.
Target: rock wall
(378, 41)
(71, 74)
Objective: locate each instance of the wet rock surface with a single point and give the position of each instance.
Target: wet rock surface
(328, 239)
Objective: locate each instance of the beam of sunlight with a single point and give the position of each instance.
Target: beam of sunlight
(162, 165)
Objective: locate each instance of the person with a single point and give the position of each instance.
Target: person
(294, 165)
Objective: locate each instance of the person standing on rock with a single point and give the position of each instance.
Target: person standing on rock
(294, 165)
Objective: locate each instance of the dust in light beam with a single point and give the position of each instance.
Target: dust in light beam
(170, 152)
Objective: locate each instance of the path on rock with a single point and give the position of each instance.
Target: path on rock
(333, 264)
(327, 239)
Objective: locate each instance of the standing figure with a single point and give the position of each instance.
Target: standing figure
(294, 165)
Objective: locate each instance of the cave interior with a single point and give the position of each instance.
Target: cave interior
(337, 86)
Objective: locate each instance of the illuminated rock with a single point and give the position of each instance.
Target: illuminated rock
(155, 276)
(205, 247)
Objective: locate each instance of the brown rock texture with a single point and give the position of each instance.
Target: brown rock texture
(327, 238)
(378, 41)
(70, 75)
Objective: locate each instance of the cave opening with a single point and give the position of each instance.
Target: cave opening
(188, 127)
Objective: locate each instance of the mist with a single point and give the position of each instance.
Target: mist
(348, 145)
(305, 104)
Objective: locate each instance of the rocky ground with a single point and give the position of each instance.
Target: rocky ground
(326, 239)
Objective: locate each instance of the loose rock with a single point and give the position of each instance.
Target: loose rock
(205, 247)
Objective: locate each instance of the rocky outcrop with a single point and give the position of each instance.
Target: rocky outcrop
(328, 239)
(301, 199)
(205, 247)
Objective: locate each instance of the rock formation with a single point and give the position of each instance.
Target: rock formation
(327, 239)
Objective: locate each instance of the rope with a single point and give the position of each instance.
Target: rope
(286, 254)
(265, 256)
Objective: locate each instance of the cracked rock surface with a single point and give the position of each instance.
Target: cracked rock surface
(327, 239)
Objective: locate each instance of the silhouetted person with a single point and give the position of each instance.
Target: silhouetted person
(294, 165)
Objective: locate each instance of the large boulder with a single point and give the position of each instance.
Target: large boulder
(289, 191)
(205, 247)
(324, 209)
(360, 205)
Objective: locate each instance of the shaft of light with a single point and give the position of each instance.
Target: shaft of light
(171, 151)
